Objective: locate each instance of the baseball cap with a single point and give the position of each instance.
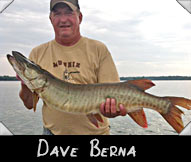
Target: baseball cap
(73, 4)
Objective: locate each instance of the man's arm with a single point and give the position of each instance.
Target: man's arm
(108, 73)
(26, 96)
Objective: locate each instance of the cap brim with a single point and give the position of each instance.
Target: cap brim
(74, 8)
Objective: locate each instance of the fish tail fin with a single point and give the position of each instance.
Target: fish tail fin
(180, 101)
(173, 116)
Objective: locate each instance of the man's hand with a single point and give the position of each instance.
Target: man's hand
(109, 109)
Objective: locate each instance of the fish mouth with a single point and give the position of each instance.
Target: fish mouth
(10, 58)
(16, 60)
(19, 57)
(23, 66)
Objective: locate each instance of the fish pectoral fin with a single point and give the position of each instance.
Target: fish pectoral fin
(142, 84)
(98, 117)
(93, 120)
(139, 117)
(35, 100)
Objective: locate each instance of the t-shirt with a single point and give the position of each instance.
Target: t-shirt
(87, 61)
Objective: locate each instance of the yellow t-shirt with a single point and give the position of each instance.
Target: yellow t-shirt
(88, 61)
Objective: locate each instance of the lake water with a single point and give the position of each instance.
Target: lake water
(21, 121)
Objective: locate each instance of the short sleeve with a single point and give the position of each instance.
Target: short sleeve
(107, 70)
(32, 56)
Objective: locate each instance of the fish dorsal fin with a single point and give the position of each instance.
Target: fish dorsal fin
(139, 117)
(35, 100)
(142, 84)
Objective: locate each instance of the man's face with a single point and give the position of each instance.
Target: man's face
(65, 22)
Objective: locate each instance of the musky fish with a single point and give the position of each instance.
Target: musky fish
(86, 98)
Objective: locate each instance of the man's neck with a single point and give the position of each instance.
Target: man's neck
(68, 42)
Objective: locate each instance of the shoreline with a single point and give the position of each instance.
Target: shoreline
(157, 78)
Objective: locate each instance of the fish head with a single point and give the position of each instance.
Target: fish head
(23, 66)
(28, 71)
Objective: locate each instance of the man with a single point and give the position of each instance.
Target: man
(75, 59)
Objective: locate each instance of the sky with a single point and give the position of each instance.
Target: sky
(145, 37)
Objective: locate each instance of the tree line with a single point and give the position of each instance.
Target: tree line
(13, 78)
(157, 78)
(8, 78)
